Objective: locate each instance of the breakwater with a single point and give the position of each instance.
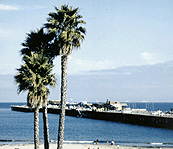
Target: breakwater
(116, 116)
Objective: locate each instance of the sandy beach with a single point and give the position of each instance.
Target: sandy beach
(74, 146)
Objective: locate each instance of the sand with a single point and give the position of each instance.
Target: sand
(72, 146)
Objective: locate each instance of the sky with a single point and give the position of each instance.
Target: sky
(119, 33)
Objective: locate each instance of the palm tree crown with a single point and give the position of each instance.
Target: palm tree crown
(34, 75)
(65, 23)
(38, 40)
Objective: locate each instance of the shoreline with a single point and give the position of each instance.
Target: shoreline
(70, 145)
(78, 146)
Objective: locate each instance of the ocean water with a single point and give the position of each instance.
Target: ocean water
(17, 127)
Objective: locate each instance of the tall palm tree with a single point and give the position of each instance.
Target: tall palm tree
(33, 76)
(65, 23)
(37, 42)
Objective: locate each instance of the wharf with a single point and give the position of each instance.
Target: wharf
(145, 118)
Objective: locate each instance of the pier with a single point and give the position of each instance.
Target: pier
(116, 112)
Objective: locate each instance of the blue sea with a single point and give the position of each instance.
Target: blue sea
(17, 127)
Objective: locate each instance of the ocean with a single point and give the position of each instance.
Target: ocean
(17, 127)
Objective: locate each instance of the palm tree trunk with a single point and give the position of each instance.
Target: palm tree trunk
(63, 100)
(46, 128)
(36, 128)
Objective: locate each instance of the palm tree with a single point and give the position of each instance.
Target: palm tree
(65, 24)
(33, 76)
(37, 42)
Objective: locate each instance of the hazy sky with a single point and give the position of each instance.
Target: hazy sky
(119, 32)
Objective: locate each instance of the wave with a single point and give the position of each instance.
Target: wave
(121, 143)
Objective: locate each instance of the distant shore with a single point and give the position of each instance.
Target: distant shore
(77, 146)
